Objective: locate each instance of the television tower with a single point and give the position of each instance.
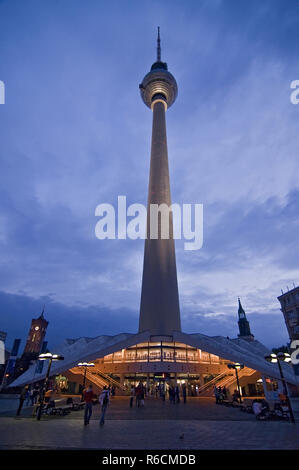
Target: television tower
(159, 309)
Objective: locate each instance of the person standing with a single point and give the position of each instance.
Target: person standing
(104, 402)
(32, 396)
(27, 396)
(88, 396)
(22, 399)
(142, 396)
(216, 393)
(177, 394)
(184, 393)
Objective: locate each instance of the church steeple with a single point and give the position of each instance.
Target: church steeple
(243, 323)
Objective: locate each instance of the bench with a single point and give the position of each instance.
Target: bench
(246, 406)
(76, 404)
(53, 408)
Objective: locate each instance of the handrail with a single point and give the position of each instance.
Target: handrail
(109, 379)
(98, 377)
(229, 380)
(211, 382)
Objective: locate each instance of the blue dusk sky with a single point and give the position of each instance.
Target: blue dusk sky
(74, 133)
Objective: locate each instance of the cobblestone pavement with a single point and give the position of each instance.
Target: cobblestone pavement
(156, 426)
(24, 433)
(195, 408)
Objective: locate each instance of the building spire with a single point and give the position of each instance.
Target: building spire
(240, 310)
(43, 311)
(243, 323)
(158, 46)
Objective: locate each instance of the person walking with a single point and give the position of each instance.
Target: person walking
(22, 399)
(88, 396)
(104, 402)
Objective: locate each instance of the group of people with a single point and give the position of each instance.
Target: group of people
(104, 400)
(29, 396)
(220, 394)
(174, 394)
(139, 393)
(260, 408)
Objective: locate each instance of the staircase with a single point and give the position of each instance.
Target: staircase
(99, 378)
(207, 388)
(229, 380)
(223, 380)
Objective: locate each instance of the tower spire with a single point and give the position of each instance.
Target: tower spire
(43, 311)
(158, 46)
(243, 323)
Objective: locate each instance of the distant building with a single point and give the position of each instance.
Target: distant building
(243, 323)
(3, 335)
(7, 371)
(290, 308)
(33, 345)
(3, 357)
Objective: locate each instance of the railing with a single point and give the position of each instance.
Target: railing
(229, 380)
(211, 382)
(98, 378)
(109, 379)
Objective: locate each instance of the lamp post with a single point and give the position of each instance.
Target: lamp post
(44, 357)
(85, 365)
(276, 358)
(237, 366)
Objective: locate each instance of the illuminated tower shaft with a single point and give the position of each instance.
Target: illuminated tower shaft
(159, 310)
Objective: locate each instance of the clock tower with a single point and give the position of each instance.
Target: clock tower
(243, 323)
(33, 345)
(36, 335)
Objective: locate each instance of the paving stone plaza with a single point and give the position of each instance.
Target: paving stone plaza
(198, 424)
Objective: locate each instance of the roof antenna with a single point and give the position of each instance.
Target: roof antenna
(158, 46)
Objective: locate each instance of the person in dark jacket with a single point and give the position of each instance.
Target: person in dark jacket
(22, 399)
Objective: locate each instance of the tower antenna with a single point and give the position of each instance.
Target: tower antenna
(158, 46)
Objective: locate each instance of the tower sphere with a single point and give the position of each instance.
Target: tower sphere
(158, 84)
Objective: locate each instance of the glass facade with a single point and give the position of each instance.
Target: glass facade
(161, 352)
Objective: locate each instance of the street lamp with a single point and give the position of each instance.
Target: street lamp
(277, 358)
(85, 365)
(237, 366)
(44, 357)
